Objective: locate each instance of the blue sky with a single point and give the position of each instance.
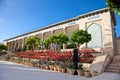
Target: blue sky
(21, 16)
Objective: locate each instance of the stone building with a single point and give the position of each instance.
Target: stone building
(100, 24)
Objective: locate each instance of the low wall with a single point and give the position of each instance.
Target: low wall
(100, 63)
(117, 46)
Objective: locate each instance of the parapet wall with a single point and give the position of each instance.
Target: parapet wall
(117, 46)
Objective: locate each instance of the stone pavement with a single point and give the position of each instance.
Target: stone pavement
(14, 71)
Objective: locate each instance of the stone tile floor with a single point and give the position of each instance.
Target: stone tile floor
(14, 71)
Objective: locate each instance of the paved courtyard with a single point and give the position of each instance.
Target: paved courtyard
(14, 71)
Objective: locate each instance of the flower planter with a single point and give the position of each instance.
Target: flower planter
(63, 70)
(46, 67)
(59, 69)
(80, 72)
(87, 74)
(41, 66)
(51, 67)
(68, 70)
(71, 71)
(94, 74)
(55, 68)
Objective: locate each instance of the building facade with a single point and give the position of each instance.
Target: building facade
(100, 24)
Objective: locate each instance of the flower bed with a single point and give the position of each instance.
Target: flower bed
(52, 59)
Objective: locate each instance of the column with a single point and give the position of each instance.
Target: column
(64, 45)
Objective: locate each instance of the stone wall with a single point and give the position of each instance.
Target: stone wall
(69, 30)
(99, 18)
(46, 34)
(100, 62)
(39, 35)
(117, 46)
(58, 31)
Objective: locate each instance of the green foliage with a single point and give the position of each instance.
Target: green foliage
(32, 43)
(2, 47)
(114, 5)
(80, 67)
(70, 45)
(87, 70)
(58, 39)
(95, 71)
(80, 37)
(47, 42)
(70, 65)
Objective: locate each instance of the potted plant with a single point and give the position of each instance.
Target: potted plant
(55, 68)
(71, 69)
(46, 65)
(51, 66)
(87, 73)
(63, 68)
(94, 73)
(59, 67)
(80, 70)
(39, 64)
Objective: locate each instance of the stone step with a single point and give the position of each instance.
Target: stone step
(117, 56)
(114, 64)
(116, 60)
(113, 67)
(112, 70)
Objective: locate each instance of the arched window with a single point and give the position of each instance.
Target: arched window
(96, 34)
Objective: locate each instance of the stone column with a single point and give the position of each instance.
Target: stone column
(64, 45)
(14, 46)
(8, 46)
(42, 36)
(22, 43)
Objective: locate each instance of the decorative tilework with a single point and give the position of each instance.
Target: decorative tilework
(96, 34)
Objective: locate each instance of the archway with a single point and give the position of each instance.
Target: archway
(96, 34)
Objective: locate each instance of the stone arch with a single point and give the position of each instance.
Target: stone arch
(70, 29)
(96, 33)
(58, 31)
(46, 34)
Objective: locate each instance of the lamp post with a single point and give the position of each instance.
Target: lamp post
(75, 56)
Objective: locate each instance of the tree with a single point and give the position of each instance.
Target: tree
(59, 39)
(47, 42)
(32, 42)
(70, 45)
(114, 5)
(2, 47)
(80, 37)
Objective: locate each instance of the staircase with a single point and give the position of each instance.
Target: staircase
(114, 65)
